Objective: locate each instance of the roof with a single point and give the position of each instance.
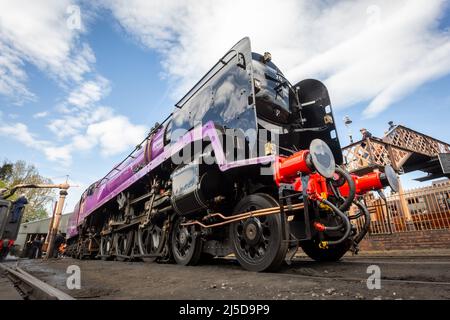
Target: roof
(42, 225)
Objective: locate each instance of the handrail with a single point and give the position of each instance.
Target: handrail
(138, 147)
(191, 92)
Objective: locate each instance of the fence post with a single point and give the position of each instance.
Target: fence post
(385, 210)
(404, 207)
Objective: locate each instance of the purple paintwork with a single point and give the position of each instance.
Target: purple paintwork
(158, 143)
(127, 173)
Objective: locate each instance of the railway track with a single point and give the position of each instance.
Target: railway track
(297, 273)
(355, 279)
(290, 272)
(30, 287)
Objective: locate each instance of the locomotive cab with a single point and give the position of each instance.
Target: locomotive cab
(271, 90)
(299, 113)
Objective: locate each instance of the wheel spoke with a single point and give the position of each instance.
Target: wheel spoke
(257, 242)
(186, 247)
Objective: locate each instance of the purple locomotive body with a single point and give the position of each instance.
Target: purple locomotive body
(246, 164)
(125, 174)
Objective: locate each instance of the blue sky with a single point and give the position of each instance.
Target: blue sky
(75, 98)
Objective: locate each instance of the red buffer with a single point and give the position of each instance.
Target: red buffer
(372, 181)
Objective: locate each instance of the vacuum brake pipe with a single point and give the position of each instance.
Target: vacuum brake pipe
(351, 194)
(366, 225)
(345, 224)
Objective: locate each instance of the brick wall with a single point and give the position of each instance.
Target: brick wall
(428, 239)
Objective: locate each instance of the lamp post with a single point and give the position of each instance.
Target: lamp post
(348, 122)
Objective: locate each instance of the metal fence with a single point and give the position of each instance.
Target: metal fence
(418, 209)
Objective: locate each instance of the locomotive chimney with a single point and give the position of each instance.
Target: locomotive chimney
(267, 57)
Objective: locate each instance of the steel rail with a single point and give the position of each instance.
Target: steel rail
(354, 279)
(31, 288)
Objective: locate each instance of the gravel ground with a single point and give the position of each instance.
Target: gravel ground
(7, 291)
(427, 277)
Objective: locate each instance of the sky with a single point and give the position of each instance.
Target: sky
(82, 82)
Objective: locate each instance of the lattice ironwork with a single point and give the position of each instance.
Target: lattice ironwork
(367, 153)
(415, 141)
(379, 152)
(399, 157)
(357, 156)
(396, 147)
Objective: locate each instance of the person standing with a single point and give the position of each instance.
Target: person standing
(365, 133)
(391, 125)
(59, 240)
(26, 249)
(35, 247)
(42, 240)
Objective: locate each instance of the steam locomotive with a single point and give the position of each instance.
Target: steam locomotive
(11, 213)
(247, 164)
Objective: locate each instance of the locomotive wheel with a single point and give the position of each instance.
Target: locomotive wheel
(186, 246)
(123, 244)
(150, 241)
(333, 253)
(106, 245)
(258, 242)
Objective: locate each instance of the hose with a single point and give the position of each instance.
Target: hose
(366, 225)
(352, 190)
(345, 223)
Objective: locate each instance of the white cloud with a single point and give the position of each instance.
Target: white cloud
(61, 154)
(12, 77)
(81, 108)
(94, 127)
(89, 93)
(113, 135)
(40, 115)
(37, 32)
(19, 132)
(365, 51)
(87, 125)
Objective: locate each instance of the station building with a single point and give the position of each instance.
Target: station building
(31, 230)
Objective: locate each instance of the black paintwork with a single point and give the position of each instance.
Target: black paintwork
(224, 96)
(314, 116)
(227, 96)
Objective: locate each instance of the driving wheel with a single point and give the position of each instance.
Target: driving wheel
(258, 242)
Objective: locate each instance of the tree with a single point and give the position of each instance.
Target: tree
(20, 172)
(6, 170)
